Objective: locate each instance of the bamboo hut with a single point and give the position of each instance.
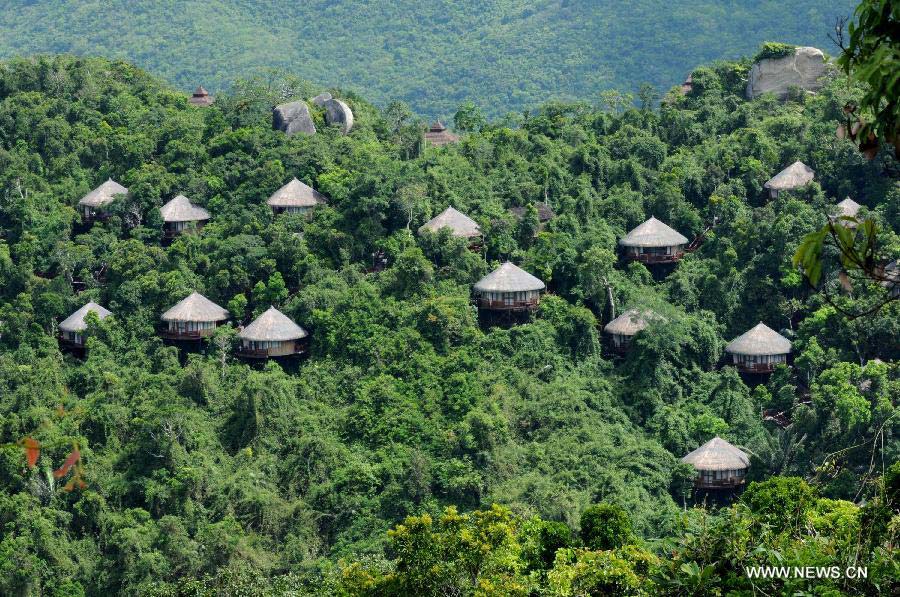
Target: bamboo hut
(508, 288)
(93, 205)
(795, 176)
(72, 328)
(201, 98)
(193, 318)
(625, 327)
(272, 334)
(180, 215)
(295, 198)
(847, 208)
(459, 224)
(759, 350)
(437, 135)
(719, 465)
(654, 242)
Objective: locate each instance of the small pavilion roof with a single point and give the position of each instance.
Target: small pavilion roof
(717, 455)
(653, 233)
(296, 194)
(509, 278)
(459, 223)
(794, 176)
(848, 207)
(75, 322)
(630, 322)
(180, 209)
(195, 308)
(273, 326)
(104, 194)
(761, 340)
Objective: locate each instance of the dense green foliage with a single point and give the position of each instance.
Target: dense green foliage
(200, 466)
(505, 55)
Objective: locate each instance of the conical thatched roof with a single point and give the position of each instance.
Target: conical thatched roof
(438, 135)
(296, 194)
(201, 97)
(273, 326)
(717, 455)
(848, 207)
(630, 322)
(180, 209)
(75, 322)
(653, 233)
(104, 194)
(459, 223)
(508, 278)
(761, 340)
(195, 307)
(794, 176)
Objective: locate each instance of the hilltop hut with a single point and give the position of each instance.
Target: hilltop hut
(654, 242)
(180, 215)
(201, 98)
(846, 208)
(459, 224)
(193, 318)
(72, 328)
(272, 334)
(795, 176)
(93, 205)
(437, 135)
(625, 327)
(295, 198)
(759, 350)
(719, 465)
(508, 288)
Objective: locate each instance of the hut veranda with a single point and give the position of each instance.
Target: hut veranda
(193, 318)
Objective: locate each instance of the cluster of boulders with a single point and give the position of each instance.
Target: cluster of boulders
(804, 69)
(294, 117)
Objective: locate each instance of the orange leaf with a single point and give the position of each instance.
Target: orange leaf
(74, 456)
(32, 450)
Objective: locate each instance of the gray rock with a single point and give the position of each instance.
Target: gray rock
(338, 113)
(293, 118)
(320, 99)
(804, 69)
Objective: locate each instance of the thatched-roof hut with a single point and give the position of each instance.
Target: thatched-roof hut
(93, 205)
(625, 327)
(296, 197)
(759, 350)
(72, 328)
(201, 98)
(508, 288)
(654, 242)
(437, 135)
(545, 212)
(720, 465)
(193, 318)
(847, 208)
(272, 334)
(795, 176)
(180, 215)
(460, 224)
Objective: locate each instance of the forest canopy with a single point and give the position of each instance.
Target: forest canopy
(415, 450)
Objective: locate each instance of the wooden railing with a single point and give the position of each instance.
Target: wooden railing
(526, 305)
(181, 335)
(757, 367)
(653, 258)
(729, 483)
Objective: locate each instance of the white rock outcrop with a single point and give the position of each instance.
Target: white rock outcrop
(805, 69)
(338, 113)
(293, 118)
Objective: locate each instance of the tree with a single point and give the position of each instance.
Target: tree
(605, 526)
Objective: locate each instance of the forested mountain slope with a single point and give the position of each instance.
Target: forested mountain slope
(288, 475)
(503, 54)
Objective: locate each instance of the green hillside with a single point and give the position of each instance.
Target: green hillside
(503, 54)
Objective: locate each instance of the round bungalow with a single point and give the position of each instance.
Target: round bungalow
(72, 328)
(625, 327)
(719, 465)
(508, 288)
(201, 98)
(759, 350)
(272, 334)
(795, 176)
(93, 206)
(437, 135)
(295, 198)
(654, 242)
(459, 224)
(180, 215)
(193, 318)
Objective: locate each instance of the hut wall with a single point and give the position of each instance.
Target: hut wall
(266, 349)
(501, 301)
(620, 342)
(173, 229)
(720, 479)
(73, 338)
(655, 254)
(190, 329)
(292, 210)
(758, 363)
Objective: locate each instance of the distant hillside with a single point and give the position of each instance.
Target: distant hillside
(503, 54)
